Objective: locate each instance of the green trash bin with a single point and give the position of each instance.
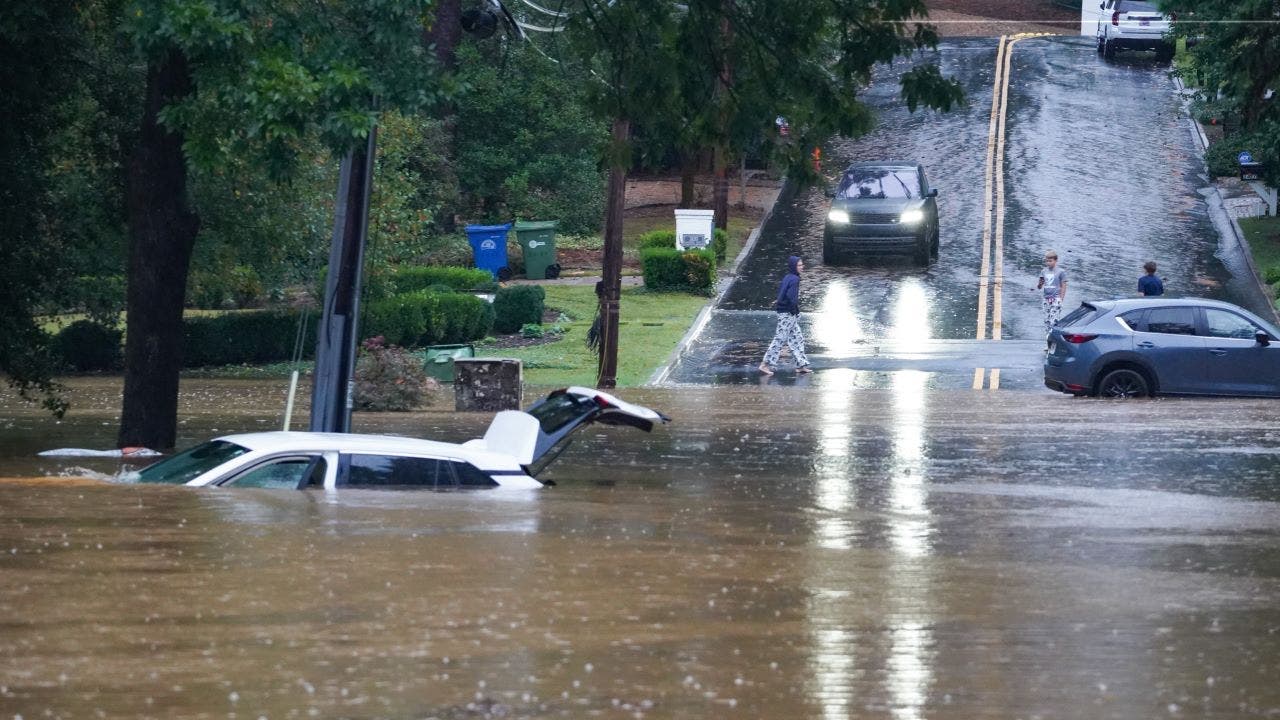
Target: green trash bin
(439, 360)
(538, 241)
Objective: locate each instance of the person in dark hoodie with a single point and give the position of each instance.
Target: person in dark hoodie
(788, 333)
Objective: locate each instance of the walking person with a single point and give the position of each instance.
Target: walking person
(788, 332)
(1053, 284)
(1149, 285)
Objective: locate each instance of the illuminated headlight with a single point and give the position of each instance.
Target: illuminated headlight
(911, 217)
(838, 216)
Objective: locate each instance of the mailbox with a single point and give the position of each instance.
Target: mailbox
(694, 229)
(1251, 170)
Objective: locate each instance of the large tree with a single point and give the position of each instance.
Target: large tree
(240, 77)
(1236, 57)
(723, 69)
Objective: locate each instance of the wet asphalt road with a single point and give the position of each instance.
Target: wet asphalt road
(1101, 164)
(795, 553)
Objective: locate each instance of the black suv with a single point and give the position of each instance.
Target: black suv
(881, 208)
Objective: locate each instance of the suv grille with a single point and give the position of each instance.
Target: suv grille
(873, 218)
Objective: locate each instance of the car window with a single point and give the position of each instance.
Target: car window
(284, 474)
(871, 183)
(1171, 321)
(1133, 319)
(556, 412)
(393, 471)
(469, 475)
(1224, 324)
(1136, 6)
(187, 466)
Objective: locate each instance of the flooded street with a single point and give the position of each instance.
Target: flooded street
(1100, 164)
(902, 553)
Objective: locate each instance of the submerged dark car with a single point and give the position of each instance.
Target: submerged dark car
(882, 208)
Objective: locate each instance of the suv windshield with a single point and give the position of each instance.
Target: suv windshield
(187, 466)
(870, 183)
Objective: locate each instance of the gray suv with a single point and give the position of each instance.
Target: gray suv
(882, 208)
(1141, 347)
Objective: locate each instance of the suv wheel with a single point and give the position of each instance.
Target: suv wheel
(1108, 50)
(1165, 54)
(1124, 383)
(1101, 44)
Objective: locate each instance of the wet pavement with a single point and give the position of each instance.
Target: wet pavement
(837, 553)
(1101, 164)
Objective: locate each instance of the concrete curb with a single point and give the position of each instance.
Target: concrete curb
(1234, 223)
(659, 376)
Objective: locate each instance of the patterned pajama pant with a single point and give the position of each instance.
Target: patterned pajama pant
(788, 334)
(1052, 307)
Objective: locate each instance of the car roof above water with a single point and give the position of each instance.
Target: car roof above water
(895, 164)
(342, 442)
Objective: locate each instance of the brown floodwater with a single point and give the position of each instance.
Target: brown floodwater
(776, 552)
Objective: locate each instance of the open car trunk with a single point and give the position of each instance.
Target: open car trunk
(536, 436)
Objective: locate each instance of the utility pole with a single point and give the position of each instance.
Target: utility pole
(336, 335)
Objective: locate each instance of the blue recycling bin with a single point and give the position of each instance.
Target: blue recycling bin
(489, 248)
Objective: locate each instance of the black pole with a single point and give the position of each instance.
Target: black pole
(336, 335)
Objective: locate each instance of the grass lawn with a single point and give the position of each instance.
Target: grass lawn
(651, 326)
(1263, 234)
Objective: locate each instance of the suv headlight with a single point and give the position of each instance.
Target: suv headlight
(838, 216)
(911, 217)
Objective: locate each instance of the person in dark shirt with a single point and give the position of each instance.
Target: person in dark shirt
(1149, 285)
(788, 333)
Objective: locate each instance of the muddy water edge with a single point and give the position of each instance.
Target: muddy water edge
(906, 552)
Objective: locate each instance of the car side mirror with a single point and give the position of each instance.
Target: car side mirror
(933, 192)
(1262, 337)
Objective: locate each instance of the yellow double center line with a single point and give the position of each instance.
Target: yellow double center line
(991, 276)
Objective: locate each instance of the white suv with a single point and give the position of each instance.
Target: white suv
(1133, 25)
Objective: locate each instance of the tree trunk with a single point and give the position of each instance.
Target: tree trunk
(720, 192)
(720, 158)
(162, 233)
(446, 32)
(611, 282)
(688, 179)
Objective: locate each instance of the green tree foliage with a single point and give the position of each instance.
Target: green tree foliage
(1237, 57)
(526, 145)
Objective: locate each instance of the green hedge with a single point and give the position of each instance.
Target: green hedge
(409, 320)
(413, 279)
(258, 336)
(670, 269)
(517, 306)
(1223, 157)
(424, 318)
(667, 239)
(87, 346)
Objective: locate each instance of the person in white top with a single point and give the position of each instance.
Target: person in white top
(1053, 285)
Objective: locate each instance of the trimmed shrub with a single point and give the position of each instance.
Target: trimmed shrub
(1223, 157)
(389, 378)
(87, 346)
(257, 336)
(517, 306)
(669, 269)
(466, 318)
(412, 279)
(1271, 275)
(667, 239)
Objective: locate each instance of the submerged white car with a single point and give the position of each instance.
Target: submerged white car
(515, 448)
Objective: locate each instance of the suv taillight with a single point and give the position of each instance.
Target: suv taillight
(1115, 18)
(1077, 338)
